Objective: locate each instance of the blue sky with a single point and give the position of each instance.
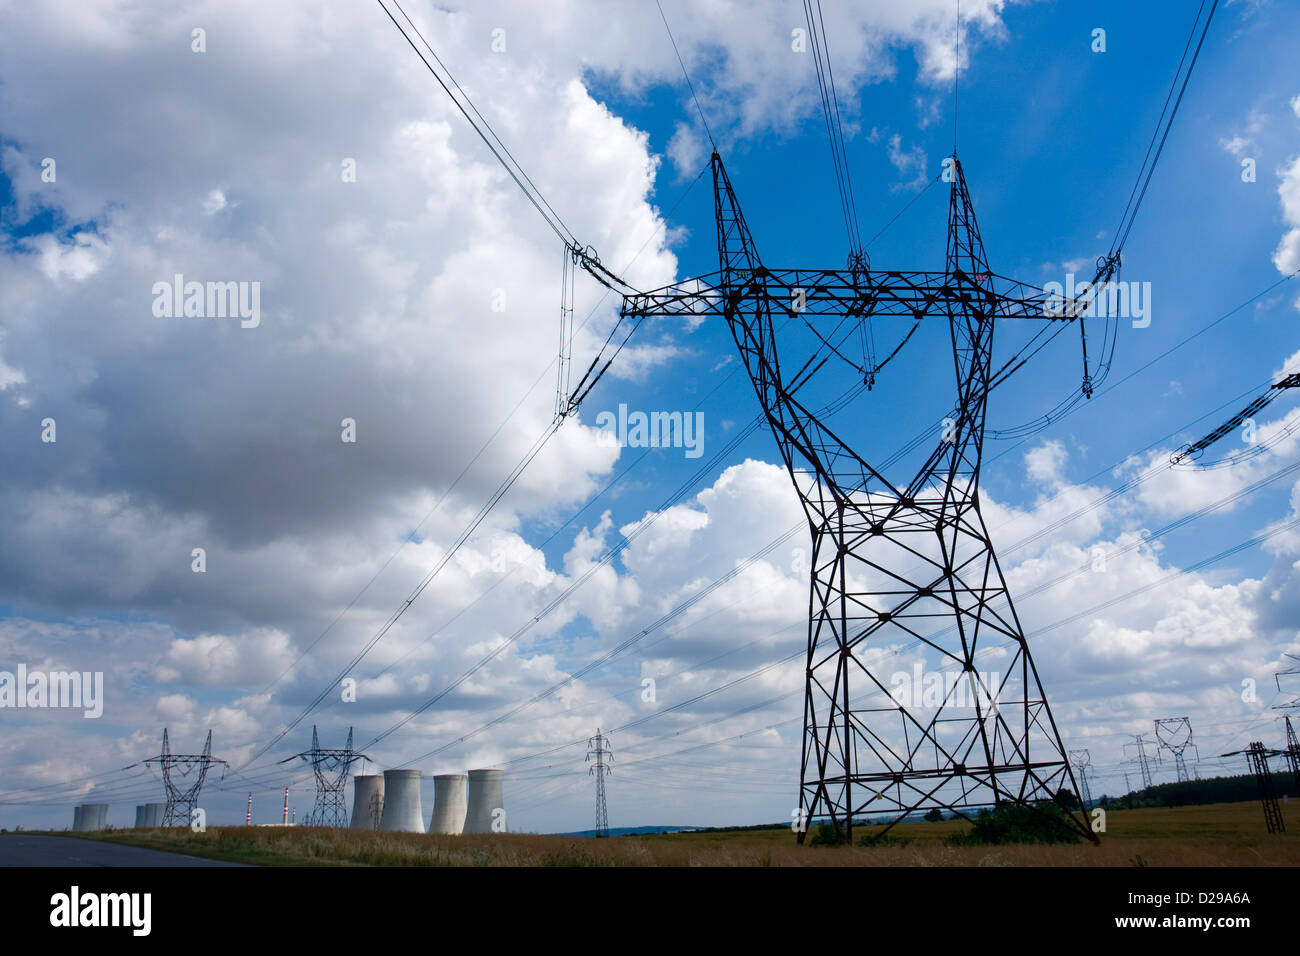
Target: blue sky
(176, 434)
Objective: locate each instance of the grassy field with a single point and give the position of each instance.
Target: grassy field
(1224, 834)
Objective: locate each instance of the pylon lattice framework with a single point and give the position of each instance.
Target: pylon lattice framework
(1144, 764)
(1081, 760)
(1169, 734)
(182, 799)
(331, 768)
(1257, 757)
(1292, 753)
(597, 747)
(885, 758)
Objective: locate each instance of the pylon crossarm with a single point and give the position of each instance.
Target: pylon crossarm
(835, 293)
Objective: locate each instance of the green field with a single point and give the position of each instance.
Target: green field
(1223, 834)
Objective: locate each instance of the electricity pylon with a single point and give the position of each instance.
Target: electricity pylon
(181, 800)
(1292, 753)
(1257, 757)
(597, 748)
(331, 768)
(1175, 735)
(1140, 742)
(863, 751)
(1081, 760)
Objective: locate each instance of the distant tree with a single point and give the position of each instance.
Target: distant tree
(1068, 798)
(934, 816)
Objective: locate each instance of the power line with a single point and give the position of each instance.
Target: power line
(1126, 221)
(699, 109)
(482, 128)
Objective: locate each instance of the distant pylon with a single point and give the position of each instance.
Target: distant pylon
(599, 750)
(1291, 671)
(331, 768)
(248, 817)
(1170, 735)
(1292, 752)
(1082, 760)
(181, 799)
(1140, 742)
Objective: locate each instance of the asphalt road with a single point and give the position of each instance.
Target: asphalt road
(20, 849)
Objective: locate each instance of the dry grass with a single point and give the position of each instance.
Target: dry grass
(1226, 834)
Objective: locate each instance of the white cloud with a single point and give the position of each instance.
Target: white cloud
(215, 660)
(174, 706)
(214, 202)
(909, 162)
(78, 258)
(1287, 255)
(1046, 463)
(1236, 145)
(377, 297)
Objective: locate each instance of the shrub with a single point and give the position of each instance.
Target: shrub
(825, 835)
(1016, 823)
(883, 840)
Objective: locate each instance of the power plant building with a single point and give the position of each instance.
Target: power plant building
(402, 811)
(367, 802)
(486, 803)
(449, 803)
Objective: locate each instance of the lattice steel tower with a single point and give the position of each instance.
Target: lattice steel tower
(1175, 735)
(181, 799)
(331, 768)
(1292, 753)
(597, 748)
(1144, 765)
(1081, 760)
(893, 561)
(1257, 757)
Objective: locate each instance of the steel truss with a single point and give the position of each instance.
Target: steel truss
(331, 768)
(181, 800)
(863, 752)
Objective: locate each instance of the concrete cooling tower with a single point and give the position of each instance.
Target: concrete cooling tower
(402, 811)
(485, 801)
(367, 802)
(77, 814)
(94, 816)
(141, 814)
(155, 814)
(449, 803)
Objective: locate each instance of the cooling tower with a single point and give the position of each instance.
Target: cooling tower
(448, 803)
(141, 814)
(485, 801)
(94, 816)
(78, 813)
(155, 814)
(402, 811)
(367, 802)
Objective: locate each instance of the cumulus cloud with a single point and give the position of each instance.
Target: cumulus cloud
(226, 660)
(419, 302)
(1287, 255)
(909, 162)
